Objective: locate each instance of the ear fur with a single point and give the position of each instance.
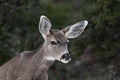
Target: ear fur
(44, 26)
(75, 30)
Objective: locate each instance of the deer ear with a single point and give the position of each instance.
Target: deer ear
(75, 30)
(44, 25)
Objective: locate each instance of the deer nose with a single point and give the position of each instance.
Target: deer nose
(66, 56)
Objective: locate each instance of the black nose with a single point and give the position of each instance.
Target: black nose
(66, 56)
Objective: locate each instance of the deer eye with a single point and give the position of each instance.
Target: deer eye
(53, 43)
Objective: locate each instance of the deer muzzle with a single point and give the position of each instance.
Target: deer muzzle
(66, 58)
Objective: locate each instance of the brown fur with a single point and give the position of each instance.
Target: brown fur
(26, 66)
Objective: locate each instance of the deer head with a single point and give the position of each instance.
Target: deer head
(56, 41)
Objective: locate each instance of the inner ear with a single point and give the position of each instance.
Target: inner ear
(44, 26)
(75, 30)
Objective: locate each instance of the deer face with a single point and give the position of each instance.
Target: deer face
(57, 46)
(56, 40)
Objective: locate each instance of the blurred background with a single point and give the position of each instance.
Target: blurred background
(95, 54)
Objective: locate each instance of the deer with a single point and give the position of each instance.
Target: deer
(33, 65)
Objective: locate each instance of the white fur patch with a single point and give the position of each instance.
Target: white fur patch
(50, 58)
(64, 61)
(86, 23)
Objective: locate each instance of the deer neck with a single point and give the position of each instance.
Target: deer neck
(42, 58)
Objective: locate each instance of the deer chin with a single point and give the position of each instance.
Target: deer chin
(65, 61)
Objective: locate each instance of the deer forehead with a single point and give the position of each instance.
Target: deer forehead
(59, 36)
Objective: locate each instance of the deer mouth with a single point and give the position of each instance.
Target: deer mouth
(65, 58)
